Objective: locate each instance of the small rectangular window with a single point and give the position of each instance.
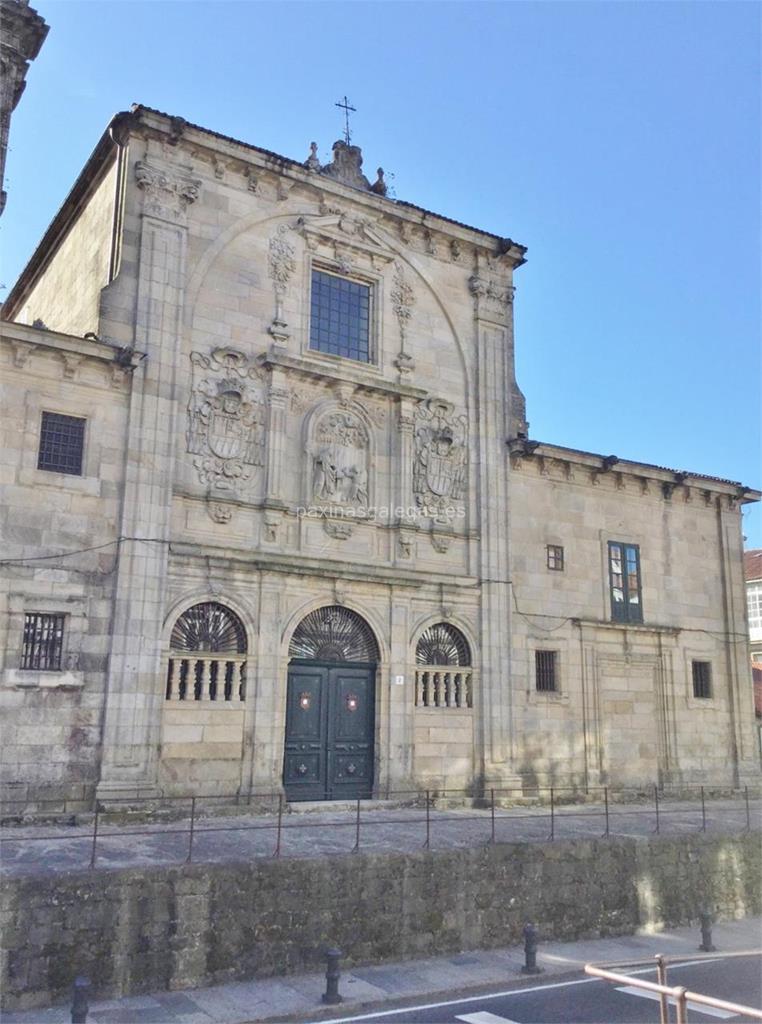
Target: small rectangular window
(545, 671)
(555, 557)
(43, 642)
(340, 316)
(702, 679)
(624, 582)
(61, 443)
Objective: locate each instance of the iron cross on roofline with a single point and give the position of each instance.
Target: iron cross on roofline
(346, 108)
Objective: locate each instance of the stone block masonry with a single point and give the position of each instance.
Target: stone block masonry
(164, 928)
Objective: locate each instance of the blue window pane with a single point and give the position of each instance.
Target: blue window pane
(340, 316)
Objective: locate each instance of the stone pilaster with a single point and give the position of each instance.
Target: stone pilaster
(276, 436)
(494, 346)
(401, 708)
(135, 690)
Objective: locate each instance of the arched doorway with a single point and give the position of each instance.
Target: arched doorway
(330, 708)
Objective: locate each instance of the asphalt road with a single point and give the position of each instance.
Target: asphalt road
(584, 1000)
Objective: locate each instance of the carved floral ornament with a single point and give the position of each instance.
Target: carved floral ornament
(226, 417)
(168, 194)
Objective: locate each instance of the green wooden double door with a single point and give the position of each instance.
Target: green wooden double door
(329, 731)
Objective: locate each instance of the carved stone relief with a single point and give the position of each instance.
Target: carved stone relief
(281, 266)
(167, 195)
(440, 469)
(219, 512)
(226, 417)
(403, 300)
(338, 460)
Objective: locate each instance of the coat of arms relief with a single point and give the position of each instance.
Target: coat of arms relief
(226, 417)
(338, 452)
(440, 467)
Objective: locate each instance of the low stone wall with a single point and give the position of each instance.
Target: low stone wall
(142, 930)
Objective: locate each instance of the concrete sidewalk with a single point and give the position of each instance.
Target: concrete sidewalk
(298, 996)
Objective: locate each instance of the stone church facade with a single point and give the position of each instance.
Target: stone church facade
(273, 521)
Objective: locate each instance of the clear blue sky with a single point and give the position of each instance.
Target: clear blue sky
(619, 141)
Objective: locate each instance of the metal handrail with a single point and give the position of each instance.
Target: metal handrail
(679, 994)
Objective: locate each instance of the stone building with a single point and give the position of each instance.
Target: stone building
(273, 518)
(22, 33)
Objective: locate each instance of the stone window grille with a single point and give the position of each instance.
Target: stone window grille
(207, 658)
(42, 649)
(443, 675)
(340, 316)
(555, 555)
(546, 671)
(62, 440)
(702, 679)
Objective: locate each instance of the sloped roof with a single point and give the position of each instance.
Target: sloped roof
(752, 564)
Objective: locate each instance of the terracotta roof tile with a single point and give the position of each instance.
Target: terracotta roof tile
(752, 564)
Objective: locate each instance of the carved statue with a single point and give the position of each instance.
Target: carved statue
(339, 460)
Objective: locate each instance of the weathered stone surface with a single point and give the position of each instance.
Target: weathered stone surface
(135, 931)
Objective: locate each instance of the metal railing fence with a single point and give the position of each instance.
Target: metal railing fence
(677, 995)
(191, 815)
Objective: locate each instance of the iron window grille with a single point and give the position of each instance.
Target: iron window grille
(555, 557)
(442, 644)
(624, 582)
(43, 642)
(702, 679)
(545, 671)
(340, 316)
(62, 440)
(334, 633)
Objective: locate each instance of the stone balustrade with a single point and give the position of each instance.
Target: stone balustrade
(206, 677)
(439, 686)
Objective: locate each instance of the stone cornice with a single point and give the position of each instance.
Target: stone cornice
(635, 627)
(301, 565)
(244, 158)
(342, 375)
(588, 468)
(22, 337)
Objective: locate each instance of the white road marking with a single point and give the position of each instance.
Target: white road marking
(459, 1002)
(484, 1017)
(486, 997)
(711, 1011)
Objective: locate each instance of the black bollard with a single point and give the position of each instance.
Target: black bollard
(530, 951)
(705, 917)
(80, 1000)
(332, 975)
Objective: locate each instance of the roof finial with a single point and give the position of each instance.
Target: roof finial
(346, 108)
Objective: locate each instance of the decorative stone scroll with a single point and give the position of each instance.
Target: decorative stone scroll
(167, 194)
(281, 266)
(403, 300)
(338, 461)
(440, 467)
(226, 417)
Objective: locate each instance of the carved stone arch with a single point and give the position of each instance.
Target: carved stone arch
(404, 255)
(464, 627)
(256, 219)
(368, 615)
(338, 464)
(215, 250)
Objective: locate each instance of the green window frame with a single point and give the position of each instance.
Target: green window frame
(625, 582)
